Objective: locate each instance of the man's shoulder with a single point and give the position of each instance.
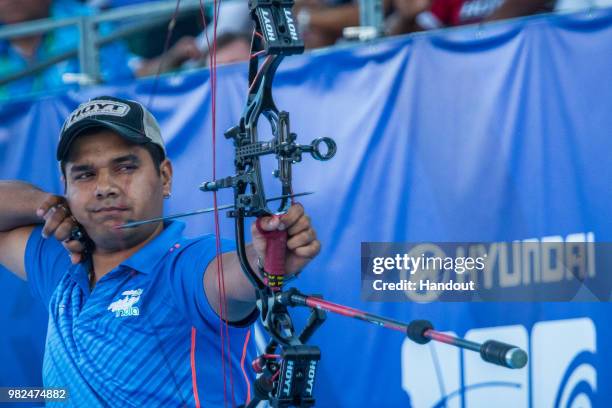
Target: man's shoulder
(45, 253)
(197, 251)
(49, 244)
(178, 250)
(198, 243)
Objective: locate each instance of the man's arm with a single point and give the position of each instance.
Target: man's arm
(12, 250)
(18, 204)
(239, 292)
(22, 206)
(302, 246)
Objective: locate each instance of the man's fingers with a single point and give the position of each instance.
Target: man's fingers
(309, 251)
(53, 218)
(73, 246)
(285, 221)
(294, 213)
(302, 239)
(271, 223)
(47, 205)
(64, 229)
(58, 218)
(302, 224)
(75, 258)
(59, 223)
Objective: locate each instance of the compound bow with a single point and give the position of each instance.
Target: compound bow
(287, 378)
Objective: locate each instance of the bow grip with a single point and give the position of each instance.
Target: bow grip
(274, 262)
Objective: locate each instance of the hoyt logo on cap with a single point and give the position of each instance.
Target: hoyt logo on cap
(98, 107)
(128, 119)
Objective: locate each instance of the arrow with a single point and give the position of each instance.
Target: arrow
(202, 211)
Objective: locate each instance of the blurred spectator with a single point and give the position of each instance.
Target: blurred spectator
(233, 47)
(21, 53)
(574, 5)
(234, 31)
(415, 15)
(322, 21)
(150, 42)
(183, 50)
(107, 4)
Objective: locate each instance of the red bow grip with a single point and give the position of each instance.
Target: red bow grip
(274, 261)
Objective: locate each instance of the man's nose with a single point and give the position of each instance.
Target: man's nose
(106, 186)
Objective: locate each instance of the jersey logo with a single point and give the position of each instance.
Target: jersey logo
(125, 307)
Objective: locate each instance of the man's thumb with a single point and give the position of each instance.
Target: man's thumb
(75, 258)
(271, 223)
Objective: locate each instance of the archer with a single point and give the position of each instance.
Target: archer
(132, 310)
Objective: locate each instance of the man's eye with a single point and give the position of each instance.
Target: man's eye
(127, 167)
(83, 176)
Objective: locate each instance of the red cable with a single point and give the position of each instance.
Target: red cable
(257, 54)
(220, 283)
(227, 335)
(223, 296)
(224, 337)
(269, 57)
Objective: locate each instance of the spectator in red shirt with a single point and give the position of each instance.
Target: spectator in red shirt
(321, 21)
(415, 15)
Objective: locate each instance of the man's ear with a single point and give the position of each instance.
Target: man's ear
(165, 171)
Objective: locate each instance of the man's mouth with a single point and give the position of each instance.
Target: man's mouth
(108, 210)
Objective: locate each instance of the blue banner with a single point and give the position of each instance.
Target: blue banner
(489, 133)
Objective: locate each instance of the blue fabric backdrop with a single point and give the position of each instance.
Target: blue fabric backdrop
(490, 133)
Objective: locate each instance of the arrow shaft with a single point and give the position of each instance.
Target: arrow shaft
(202, 211)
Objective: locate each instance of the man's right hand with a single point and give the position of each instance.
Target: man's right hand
(59, 223)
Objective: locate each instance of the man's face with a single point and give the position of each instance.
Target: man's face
(17, 11)
(110, 182)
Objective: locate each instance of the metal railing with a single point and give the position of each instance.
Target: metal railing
(150, 15)
(90, 39)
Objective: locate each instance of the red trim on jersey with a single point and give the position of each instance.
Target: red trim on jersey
(194, 381)
(246, 378)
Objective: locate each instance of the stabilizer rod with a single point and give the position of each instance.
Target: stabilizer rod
(419, 331)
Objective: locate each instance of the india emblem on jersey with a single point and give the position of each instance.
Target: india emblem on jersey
(125, 307)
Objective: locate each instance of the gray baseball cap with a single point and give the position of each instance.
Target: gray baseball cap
(130, 119)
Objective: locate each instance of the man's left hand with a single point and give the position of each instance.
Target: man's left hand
(302, 243)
